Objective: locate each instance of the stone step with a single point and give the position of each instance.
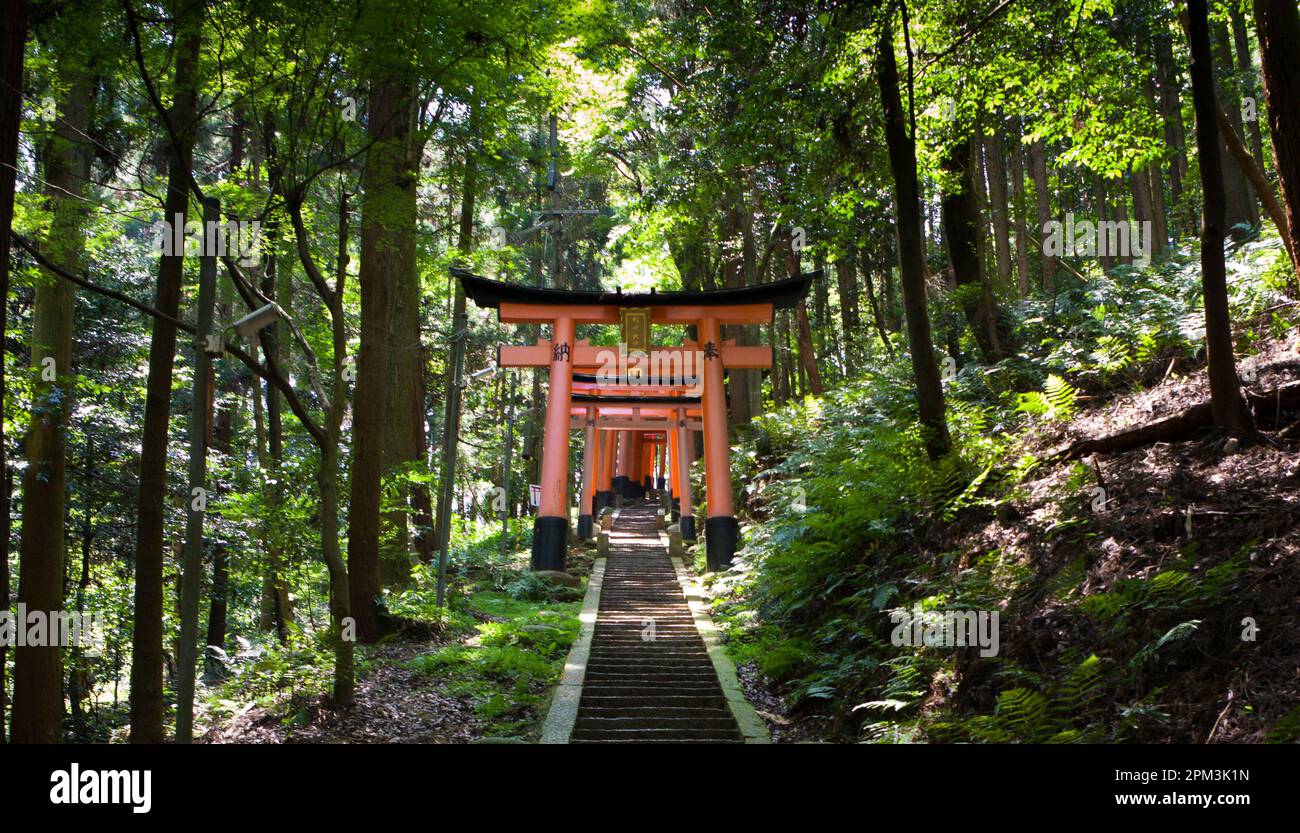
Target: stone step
(721, 723)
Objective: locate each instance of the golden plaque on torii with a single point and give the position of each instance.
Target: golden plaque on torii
(635, 323)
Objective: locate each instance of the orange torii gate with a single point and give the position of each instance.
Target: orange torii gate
(637, 393)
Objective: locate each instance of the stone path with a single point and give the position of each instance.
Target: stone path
(648, 676)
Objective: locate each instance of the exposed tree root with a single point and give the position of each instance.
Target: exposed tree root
(1267, 408)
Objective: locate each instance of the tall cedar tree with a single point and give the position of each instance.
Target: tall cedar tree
(387, 176)
(147, 638)
(13, 39)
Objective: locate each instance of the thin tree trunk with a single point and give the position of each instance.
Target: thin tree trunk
(1239, 196)
(1043, 198)
(80, 684)
(997, 173)
(847, 281)
(331, 553)
(1171, 108)
(735, 274)
(781, 358)
(1225, 392)
(455, 366)
(1143, 203)
(1101, 205)
(1246, 70)
(341, 633)
(911, 256)
(1018, 212)
(807, 355)
(277, 609)
(220, 588)
(1124, 255)
(876, 314)
(1155, 186)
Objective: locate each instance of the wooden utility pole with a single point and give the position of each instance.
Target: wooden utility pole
(505, 468)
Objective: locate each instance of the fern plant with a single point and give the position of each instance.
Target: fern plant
(1057, 402)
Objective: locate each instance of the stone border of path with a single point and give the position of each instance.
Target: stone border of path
(564, 703)
(751, 725)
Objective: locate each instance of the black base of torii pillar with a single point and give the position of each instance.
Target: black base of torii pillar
(550, 536)
(721, 537)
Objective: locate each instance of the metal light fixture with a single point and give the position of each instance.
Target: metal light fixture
(257, 319)
(486, 373)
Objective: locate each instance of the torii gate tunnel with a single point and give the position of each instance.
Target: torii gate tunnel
(635, 403)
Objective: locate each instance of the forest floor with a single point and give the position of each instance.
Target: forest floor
(487, 678)
(394, 704)
(1196, 509)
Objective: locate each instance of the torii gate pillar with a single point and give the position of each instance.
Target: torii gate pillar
(590, 452)
(605, 471)
(551, 528)
(682, 483)
(621, 458)
(721, 529)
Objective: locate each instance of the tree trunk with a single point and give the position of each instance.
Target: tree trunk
(1239, 197)
(13, 40)
(961, 233)
(327, 474)
(1225, 391)
(997, 173)
(38, 671)
(80, 682)
(384, 180)
(1263, 188)
(911, 255)
(277, 608)
(807, 355)
(1043, 197)
(1278, 27)
(1124, 255)
(876, 314)
(220, 588)
(735, 274)
(1101, 206)
(847, 282)
(147, 639)
(455, 367)
(1171, 109)
(1018, 211)
(1143, 204)
(404, 416)
(1246, 71)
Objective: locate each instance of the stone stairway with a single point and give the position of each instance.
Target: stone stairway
(648, 677)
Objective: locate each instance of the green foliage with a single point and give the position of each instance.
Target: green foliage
(511, 661)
